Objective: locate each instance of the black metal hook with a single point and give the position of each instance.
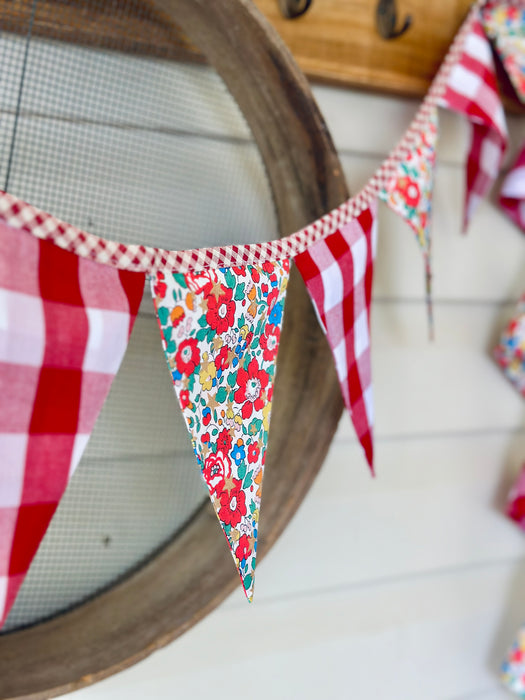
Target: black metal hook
(294, 8)
(386, 19)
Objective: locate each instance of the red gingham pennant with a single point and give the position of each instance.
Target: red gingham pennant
(471, 90)
(512, 195)
(64, 327)
(338, 274)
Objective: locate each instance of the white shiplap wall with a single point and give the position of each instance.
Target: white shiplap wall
(411, 585)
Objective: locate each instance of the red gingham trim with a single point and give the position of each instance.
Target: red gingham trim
(338, 274)
(138, 258)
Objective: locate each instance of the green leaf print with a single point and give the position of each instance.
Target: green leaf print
(239, 292)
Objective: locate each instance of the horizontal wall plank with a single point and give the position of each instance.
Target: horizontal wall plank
(449, 385)
(488, 263)
(435, 504)
(440, 637)
(348, 115)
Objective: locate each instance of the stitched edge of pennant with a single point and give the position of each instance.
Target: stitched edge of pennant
(139, 258)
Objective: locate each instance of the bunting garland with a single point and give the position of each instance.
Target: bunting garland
(510, 352)
(68, 300)
(338, 274)
(221, 331)
(471, 90)
(64, 328)
(505, 24)
(408, 192)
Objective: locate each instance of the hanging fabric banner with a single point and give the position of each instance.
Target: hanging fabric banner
(220, 333)
(504, 22)
(512, 195)
(471, 90)
(510, 352)
(64, 328)
(513, 668)
(516, 500)
(338, 273)
(408, 192)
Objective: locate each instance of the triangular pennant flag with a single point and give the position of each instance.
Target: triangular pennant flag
(337, 271)
(504, 22)
(65, 322)
(513, 667)
(510, 351)
(408, 191)
(220, 333)
(471, 89)
(512, 195)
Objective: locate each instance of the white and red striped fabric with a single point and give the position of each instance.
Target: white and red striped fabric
(64, 328)
(338, 274)
(471, 89)
(512, 195)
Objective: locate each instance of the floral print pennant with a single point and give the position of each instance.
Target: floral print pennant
(510, 351)
(220, 333)
(409, 191)
(504, 23)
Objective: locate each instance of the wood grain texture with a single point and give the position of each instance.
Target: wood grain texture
(131, 26)
(337, 41)
(193, 574)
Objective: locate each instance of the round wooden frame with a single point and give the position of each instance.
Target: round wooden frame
(194, 573)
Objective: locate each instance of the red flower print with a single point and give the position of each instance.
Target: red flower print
(253, 452)
(270, 342)
(221, 359)
(243, 549)
(239, 271)
(217, 468)
(224, 441)
(409, 190)
(201, 281)
(251, 383)
(254, 272)
(267, 267)
(184, 398)
(272, 298)
(233, 505)
(160, 288)
(188, 356)
(221, 311)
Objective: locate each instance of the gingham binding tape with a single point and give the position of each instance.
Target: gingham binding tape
(139, 258)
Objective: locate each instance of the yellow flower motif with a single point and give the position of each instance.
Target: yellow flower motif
(244, 332)
(266, 415)
(207, 373)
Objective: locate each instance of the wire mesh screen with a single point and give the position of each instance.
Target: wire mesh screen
(102, 127)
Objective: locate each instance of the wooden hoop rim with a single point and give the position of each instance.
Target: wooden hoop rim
(194, 573)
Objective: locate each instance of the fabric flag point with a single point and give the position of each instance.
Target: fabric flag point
(65, 322)
(504, 22)
(338, 274)
(220, 333)
(408, 192)
(471, 89)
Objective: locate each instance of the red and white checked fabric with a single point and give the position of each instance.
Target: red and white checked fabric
(471, 89)
(64, 328)
(512, 195)
(338, 274)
